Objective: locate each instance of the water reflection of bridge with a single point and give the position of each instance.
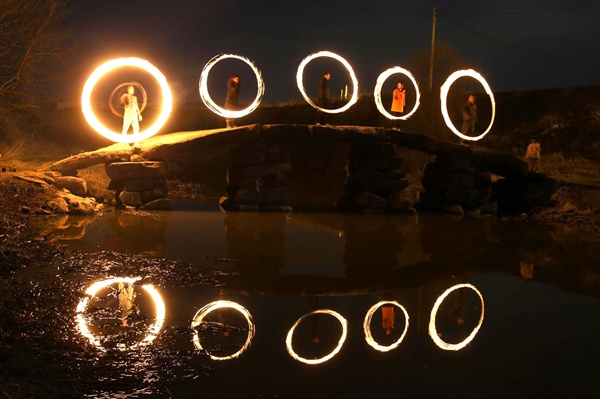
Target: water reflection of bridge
(379, 252)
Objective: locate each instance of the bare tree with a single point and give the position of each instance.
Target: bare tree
(31, 41)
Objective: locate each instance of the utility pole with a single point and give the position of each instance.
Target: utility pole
(432, 48)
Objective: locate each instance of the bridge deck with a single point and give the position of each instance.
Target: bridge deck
(167, 146)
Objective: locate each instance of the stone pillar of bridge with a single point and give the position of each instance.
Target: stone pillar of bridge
(457, 184)
(256, 178)
(375, 180)
(141, 184)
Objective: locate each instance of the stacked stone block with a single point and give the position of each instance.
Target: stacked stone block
(457, 184)
(256, 179)
(139, 184)
(375, 181)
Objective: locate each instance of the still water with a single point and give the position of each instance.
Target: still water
(325, 305)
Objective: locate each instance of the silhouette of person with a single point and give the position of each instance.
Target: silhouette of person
(131, 111)
(324, 98)
(398, 102)
(533, 154)
(231, 101)
(469, 116)
(126, 297)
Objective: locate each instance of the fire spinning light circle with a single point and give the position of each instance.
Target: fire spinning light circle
(432, 330)
(290, 334)
(328, 54)
(94, 122)
(153, 330)
(444, 101)
(377, 93)
(135, 84)
(202, 313)
(367, 327)
(226, 113)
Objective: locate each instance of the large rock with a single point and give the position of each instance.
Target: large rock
(131, 198)
(522, 194)
(247, 196)
(154, 194)
(262, 170)
(135, 170)
(76, 185)
(403, 201)
(247, 156)
(273, 196)
(470, 197)
(161, 204)
(369, 201)
(144, 184)
(58, 206)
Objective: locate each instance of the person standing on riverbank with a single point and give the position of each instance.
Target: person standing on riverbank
(398, 102)
(231, 101)
(534, 150)
(469, 116)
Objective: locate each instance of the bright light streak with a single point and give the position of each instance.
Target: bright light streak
(202, 313)
(227, 113)
(444, 101)
(381, 80)
(135, 84)
(432, 330)
(329, 54)
(153, 330)
(367, 327)
(90, 116)
(288, 340)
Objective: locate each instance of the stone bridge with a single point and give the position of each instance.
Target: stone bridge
(459, 180)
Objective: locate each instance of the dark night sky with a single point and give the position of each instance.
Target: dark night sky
(515, 44)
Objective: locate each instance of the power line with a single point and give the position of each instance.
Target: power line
(497, 42)
(529, 11)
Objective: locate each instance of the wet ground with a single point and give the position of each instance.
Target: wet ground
(270, 305)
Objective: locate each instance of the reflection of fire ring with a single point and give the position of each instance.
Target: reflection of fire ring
(202, 313)
(208, 101)
(444, 100)
(329, 54)
(367, 327)
(432, 330)
(381, 80)
(90, 116)
(153, 330)
(136, 84)
(288, 340)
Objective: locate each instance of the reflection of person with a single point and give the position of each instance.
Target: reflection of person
(131, 111)
(126, 297)
(469, 116)
(231, 101)
(398, 102)
(324, 96)
(533, 154)
(388, 318)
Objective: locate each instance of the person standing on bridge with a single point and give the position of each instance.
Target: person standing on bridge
(533, 154)
(469, 116)
(323, 100)
(231, 101)
(131, 111)
(398, 102)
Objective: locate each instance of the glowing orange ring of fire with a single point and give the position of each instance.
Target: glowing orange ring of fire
(90, 116)
(136, 84)
(377, 92)
(444, 101)
(202, 313)
(153, 330)
(288, 339)
(225, 113)
(346, 64)
(367, 327)
(433, 331)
